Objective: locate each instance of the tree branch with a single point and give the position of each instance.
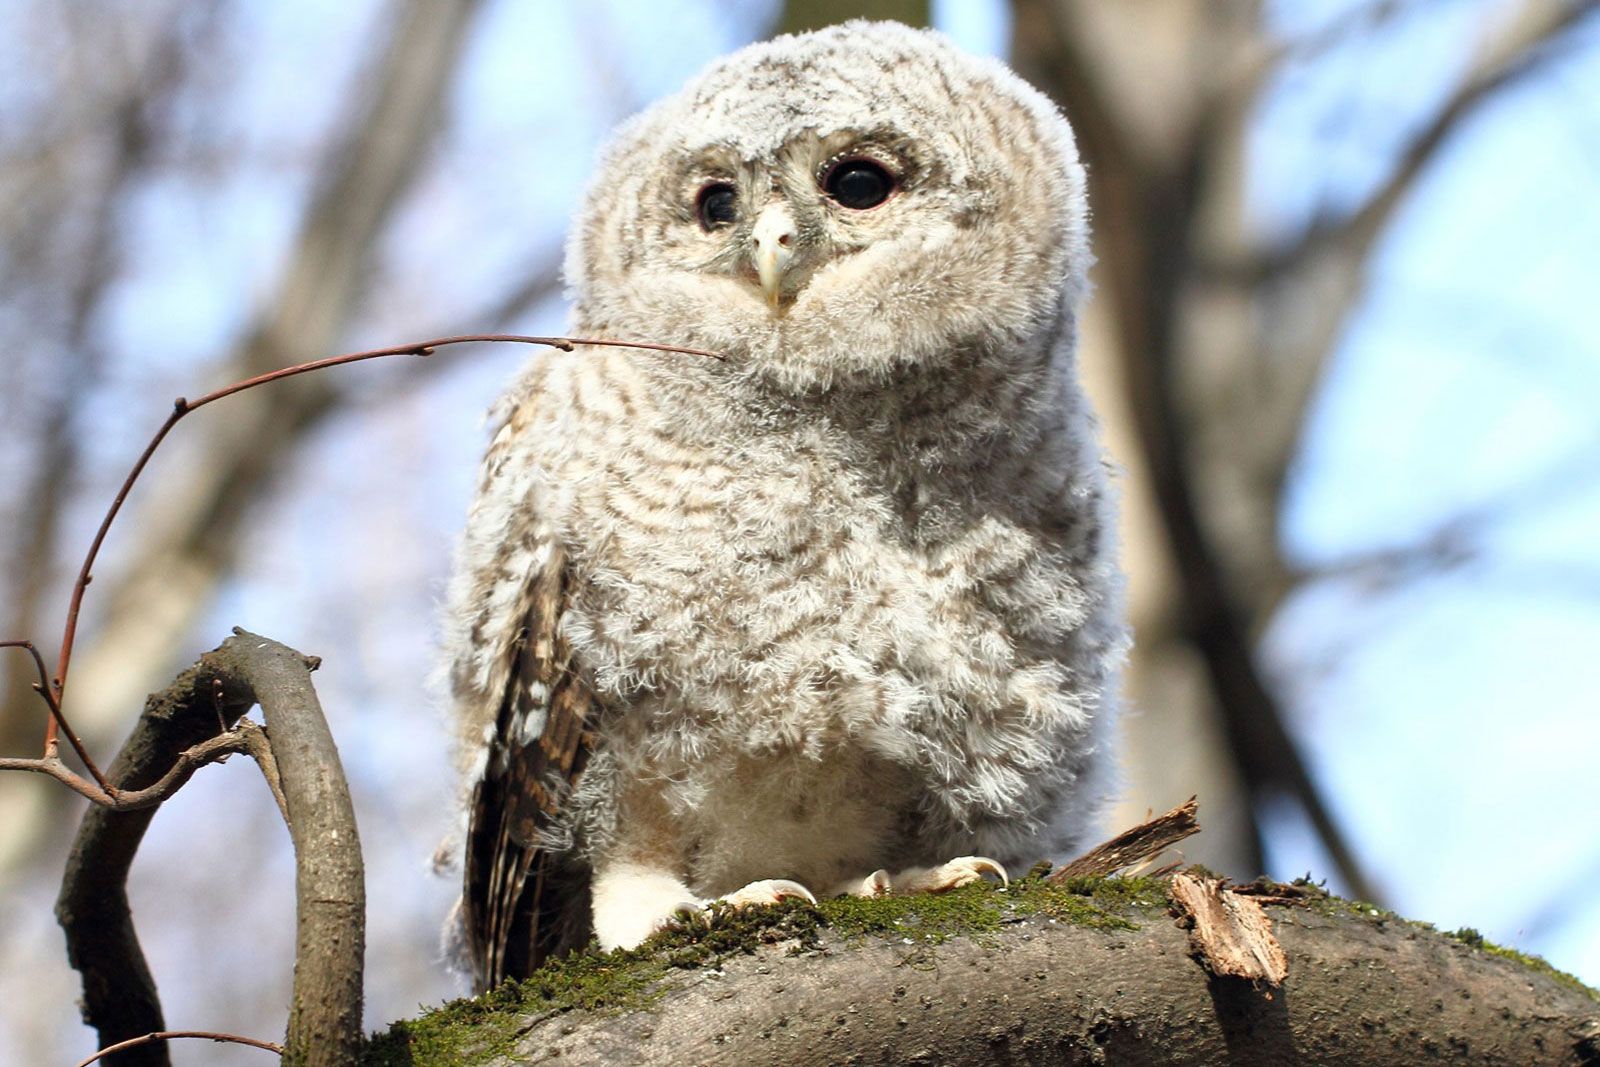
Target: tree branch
(1039, 974)
(119, 994)
(1513, 50)
(330, 888)
(168, 1035)
(185, 725)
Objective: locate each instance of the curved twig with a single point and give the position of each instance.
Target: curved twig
(167, 1035)
(52, 689)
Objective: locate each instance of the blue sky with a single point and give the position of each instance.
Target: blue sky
(1452, 717)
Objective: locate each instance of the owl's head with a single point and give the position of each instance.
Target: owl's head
(832, 206)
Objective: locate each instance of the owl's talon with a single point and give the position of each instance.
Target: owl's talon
(691, 911)
(876, 884)
(963, 870)
(767, 891)
(984, 865)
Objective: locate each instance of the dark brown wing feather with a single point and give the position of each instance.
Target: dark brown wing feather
(522, 902)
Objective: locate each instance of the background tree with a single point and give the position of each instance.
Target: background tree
(1339, 342)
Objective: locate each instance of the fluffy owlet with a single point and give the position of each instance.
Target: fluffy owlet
(838, 613)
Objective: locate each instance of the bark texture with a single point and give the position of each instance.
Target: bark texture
(119, 993)
(1361, 989)
(329, 883)
(120, 999)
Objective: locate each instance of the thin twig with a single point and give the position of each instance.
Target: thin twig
(43, 688)
(247, 737)
(167, 1035)
(52, 690)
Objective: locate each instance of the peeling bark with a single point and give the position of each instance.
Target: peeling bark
(1232, 936)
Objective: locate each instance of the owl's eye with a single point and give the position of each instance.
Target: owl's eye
(717, 205)
(858, 183)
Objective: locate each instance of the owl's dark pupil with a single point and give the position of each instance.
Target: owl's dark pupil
(718, 205)
(859, 184)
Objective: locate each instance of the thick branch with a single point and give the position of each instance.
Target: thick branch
(181, 727)
(1042, 987)
(330, 890)
(119, 994)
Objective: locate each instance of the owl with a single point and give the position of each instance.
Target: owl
(837, 612)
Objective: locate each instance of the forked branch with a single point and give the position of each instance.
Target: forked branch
(191, 722)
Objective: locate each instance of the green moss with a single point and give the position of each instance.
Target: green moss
(474, 1030)
(471, 1030)
(1473, 939)
(980, 909)
(460, 1031)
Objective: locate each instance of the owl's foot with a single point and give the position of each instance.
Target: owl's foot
(766, 891)
(632, 901)
(963, 870)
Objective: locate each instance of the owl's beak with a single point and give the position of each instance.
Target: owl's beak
(774, 237)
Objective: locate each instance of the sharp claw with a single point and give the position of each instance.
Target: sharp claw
(784, 889)
(768, 891)
(876, 884)
(691, 911)
(983, 864)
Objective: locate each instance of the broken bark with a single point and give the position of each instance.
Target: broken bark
(1143, 842)
(1231, 935)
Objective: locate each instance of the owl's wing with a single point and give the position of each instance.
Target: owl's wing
(521, 903)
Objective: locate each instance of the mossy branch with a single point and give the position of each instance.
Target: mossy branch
(1085, 970)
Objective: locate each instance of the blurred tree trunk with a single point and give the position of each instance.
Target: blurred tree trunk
(1129, 78)
(1204, 346)
(64, 230)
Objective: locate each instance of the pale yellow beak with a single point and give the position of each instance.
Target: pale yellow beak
(774, 237)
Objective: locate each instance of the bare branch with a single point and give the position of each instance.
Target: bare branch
(133, 110)
(53, 690)
(1510, 52)
(246, 737)
(1267, 58)
(169, 1035)
(119, 994)
(57, 721)
(330, 888)
(185, 725)
(192, 527)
